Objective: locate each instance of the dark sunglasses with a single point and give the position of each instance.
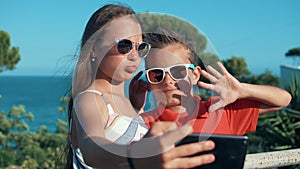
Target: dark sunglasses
(177, 72)
(125, 46)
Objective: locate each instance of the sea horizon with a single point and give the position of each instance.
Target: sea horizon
(39, 94)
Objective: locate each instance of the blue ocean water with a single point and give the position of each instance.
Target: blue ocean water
(39, 94)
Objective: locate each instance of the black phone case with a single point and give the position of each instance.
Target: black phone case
(230, 151)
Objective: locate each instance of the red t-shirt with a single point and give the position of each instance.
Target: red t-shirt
(237, 118)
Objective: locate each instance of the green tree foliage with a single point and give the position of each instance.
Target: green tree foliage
(22, 148)
(294, 89)
(279, 130)
(266, 78)
(150, 23)
(295, 52)
(208, 59)
(9, 57)
(237, 66)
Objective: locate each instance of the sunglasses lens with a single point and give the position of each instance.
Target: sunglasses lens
(143, 49)
(155, 75)
(124, 46)
(178, 72)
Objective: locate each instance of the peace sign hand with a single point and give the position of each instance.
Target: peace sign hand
(138, 89)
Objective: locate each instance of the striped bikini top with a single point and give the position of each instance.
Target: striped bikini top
(119, 129)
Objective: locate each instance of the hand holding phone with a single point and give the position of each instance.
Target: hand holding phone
(230, 151)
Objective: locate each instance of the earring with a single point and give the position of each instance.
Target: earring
(93, 59)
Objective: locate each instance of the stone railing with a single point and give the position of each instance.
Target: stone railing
(272, 159)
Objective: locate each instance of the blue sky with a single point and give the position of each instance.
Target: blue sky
(49, 32)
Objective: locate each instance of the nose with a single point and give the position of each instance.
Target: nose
(133, 55)
(168, 79)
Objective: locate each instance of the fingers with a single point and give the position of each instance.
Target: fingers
(135, 80)
(137, 76)
(171, 137)
(178, 156)
(209, 76)
(190, 162)
(144, 85)
(212, 87)
(185, 87)
(205, 85)
(214, 75)
(160, 128)
(191, 149)
(214, 72)
(138, 83)
(160, 144)
(222, 68)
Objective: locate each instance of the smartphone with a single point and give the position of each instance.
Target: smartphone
(230, 150)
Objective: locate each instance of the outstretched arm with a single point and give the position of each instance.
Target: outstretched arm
(230, 89)
(156, 150)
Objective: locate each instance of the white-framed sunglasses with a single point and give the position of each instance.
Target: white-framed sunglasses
(125, 46)
(177, 72)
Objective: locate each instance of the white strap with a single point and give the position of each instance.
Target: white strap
(110, 109)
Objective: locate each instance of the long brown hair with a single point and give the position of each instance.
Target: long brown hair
(100, 18)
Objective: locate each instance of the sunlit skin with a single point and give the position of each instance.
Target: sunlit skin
(115, 67)
(171, 92)
(222, 83)
(91, 117)
(119, 67)
(113, 70)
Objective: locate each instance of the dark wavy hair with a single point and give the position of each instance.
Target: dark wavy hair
(162, 38)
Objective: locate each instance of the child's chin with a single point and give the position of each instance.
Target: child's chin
(173, 102)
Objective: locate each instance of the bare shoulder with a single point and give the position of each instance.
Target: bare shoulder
(91, 102)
